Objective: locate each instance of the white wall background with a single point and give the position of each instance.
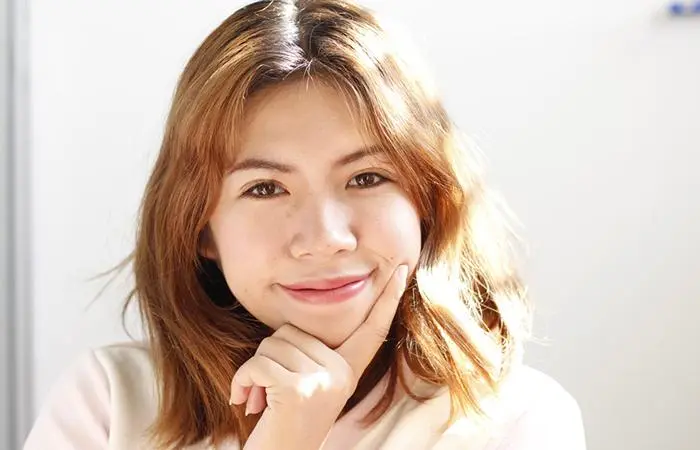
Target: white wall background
(589, 113)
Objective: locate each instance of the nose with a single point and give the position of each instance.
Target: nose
(322, 229)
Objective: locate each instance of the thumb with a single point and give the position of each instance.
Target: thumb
(359, 349)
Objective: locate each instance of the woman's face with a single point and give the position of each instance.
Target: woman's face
(310, 224)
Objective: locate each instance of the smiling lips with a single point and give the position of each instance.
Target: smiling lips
(327, 291)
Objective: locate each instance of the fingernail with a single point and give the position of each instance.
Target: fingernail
(232, 398)
(238, 395)
(235, 398)
(247, 409)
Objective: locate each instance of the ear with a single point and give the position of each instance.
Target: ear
(207, 246)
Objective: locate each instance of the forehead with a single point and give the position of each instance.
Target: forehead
(299, 116)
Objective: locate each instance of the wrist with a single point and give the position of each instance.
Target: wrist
(276, 431)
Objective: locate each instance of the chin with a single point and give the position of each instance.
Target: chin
(331, 334)
(333, 326)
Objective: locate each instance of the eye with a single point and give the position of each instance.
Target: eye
(367, 180)
(266, 189)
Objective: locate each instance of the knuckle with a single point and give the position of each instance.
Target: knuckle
(286, 330)
(347, 381)
(268, 345)
(301, 387)
(283, 329)
(262, 348)
(344, 379)
(321, 381)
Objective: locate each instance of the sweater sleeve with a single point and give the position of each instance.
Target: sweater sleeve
(76, 414)
(552, 423)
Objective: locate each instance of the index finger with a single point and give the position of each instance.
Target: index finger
(359, 349)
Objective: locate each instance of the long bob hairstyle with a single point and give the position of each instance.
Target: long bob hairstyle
(464, 316)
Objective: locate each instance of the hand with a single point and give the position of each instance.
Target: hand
(301, 384)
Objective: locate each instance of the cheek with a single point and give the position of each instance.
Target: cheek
(247, 246)
(392, 229)
(244, 237)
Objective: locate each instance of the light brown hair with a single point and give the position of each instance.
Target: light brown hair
(463, 316)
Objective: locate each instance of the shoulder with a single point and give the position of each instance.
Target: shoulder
(124, 365)
(123, 359)
(104, 367)
(528, 388)
(537, 412)
(126, 373)
(106, 396)
(129, 372)
(531, 411)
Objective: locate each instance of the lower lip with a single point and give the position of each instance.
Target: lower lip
(328, 296)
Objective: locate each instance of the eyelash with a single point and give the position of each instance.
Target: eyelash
(379, 180)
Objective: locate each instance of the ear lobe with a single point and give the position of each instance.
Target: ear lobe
(206, 246)
(209, 254)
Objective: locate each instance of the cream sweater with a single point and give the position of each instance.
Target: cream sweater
(108, 399)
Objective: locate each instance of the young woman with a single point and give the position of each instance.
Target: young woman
(317, 265)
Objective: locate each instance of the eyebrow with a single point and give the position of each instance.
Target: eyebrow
(266, 164)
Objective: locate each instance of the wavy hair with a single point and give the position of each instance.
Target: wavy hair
(464, 315)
